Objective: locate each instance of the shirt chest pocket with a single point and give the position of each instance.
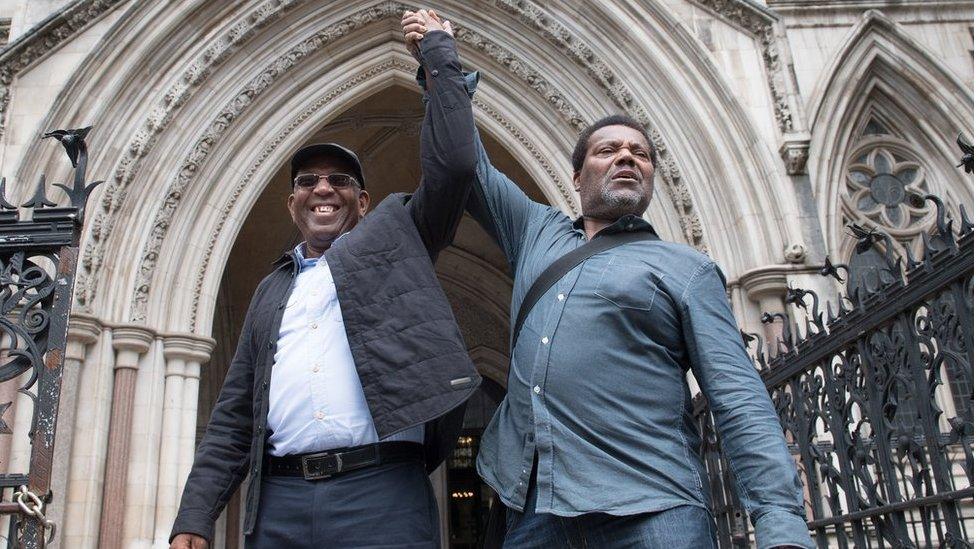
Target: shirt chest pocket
(627, 284)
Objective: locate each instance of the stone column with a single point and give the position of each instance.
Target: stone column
(130, 343)
(767, 287)
(203, 347)
(83, 503)
(83, 330)
(184, 354)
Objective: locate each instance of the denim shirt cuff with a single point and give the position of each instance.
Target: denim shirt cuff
(782, 528)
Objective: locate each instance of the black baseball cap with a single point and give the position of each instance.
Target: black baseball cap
(327, 150)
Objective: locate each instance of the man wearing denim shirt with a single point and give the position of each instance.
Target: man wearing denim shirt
(595, 445)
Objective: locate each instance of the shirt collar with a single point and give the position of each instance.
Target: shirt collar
(303, 263)
(297, 255)
(628, 223)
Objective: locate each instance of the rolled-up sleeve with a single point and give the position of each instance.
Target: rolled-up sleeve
(752, 439)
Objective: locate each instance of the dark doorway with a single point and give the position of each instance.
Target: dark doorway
(468, 496)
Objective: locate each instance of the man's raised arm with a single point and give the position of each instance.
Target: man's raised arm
(497, 203)
(447, 149)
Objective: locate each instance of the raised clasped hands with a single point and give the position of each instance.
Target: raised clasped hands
(416, 24)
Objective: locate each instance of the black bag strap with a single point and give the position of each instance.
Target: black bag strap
(564, 264)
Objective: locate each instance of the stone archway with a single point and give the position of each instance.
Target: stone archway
(192, 143)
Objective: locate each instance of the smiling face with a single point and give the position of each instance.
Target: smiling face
(616, 178)
(322, 213)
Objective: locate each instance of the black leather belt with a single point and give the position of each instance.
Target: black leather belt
(323, 465)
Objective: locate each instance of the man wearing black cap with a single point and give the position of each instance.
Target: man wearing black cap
(350, 375)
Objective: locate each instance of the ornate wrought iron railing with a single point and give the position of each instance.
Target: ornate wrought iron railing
(886, 459)
(38, 256)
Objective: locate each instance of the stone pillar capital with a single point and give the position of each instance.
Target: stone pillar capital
(187, 347)
(764, 283)
(83, 328)
(131, 341)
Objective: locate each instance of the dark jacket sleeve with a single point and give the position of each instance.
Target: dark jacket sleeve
(447, 147)
(221, 459)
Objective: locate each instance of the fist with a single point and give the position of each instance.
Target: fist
(188, 541)
(416, 24)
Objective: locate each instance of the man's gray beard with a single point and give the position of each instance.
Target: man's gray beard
(616, 204)
(619, 200)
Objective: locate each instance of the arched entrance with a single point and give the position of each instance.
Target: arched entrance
(384, 128)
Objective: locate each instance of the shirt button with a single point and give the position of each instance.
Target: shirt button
(314, 326)
(315, 369)
(545, 341)
(537, 389)
(434, 72)
(319, 414)
(561, 297)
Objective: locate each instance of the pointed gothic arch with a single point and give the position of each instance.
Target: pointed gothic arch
(212, 90)
(881, 72)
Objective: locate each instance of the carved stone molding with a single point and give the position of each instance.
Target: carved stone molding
(764, 283)
(219, 126)
(130, 342)
(188, 347)
(761, 24)
(102, 220)
(160, 117)
(83, 328)
(23, 52)
(795, 151)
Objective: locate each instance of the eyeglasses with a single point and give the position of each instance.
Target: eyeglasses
(336, 180)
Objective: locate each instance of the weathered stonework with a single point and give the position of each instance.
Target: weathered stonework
(102, 219)
(219, 125)
(23, 52)
(674, 185)
(761, 25)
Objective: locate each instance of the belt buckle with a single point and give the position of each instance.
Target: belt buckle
(318, 466)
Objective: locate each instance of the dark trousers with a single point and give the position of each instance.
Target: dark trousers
(390, 505)
(683, 527)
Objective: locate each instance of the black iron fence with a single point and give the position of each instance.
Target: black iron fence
(38, 256)
(884, 454)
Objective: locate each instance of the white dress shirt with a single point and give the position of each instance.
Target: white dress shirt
(316, 399)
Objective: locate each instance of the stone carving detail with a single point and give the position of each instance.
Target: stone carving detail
(158, 120)
(795, 153)
(795, 253)
(163, 114)
(885, 181)
(224, 120)
(761, 26)
(24, 51)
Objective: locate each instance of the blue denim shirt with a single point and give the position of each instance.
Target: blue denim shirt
(597, 384)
